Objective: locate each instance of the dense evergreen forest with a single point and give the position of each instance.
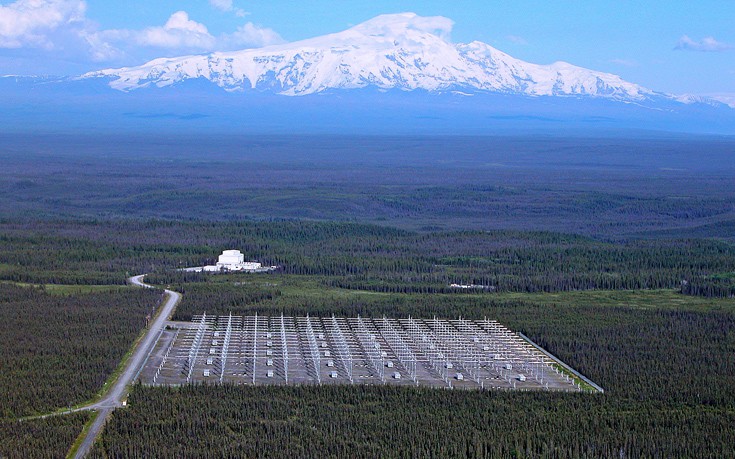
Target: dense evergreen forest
(47, 438)
(365, 257)
(59, 347)
(668, 375)
(601, 186)
(617, 255)
(58, 350)
(661, 355)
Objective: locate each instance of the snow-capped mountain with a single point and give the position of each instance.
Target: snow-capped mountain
(399, 51)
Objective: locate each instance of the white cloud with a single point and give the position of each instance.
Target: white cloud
(517, 39)
(27, 23)
(222, 5)
(624, 62)
(251, 35)
(396, 24)
(180, 34)
(180, 21)
(227, 6)
(706, 44)
(434, 24)
(60, 29)
(100, 49)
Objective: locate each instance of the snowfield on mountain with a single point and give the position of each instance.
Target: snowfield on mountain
(398, 51)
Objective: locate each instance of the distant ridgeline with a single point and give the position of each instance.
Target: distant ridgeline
(198, 106)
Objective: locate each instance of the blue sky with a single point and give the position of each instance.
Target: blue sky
(674, 46)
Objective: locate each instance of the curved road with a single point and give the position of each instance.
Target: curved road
(113, 398)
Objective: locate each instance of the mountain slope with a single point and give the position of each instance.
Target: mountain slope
(400, 51)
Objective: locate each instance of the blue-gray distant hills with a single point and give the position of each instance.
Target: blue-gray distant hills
(393, 74)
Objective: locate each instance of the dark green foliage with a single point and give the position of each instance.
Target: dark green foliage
(608, 186)
(59, 350)
(365, 421)
(40, 438)
(717, 286)
(358, 256)
(668, 374)
(221, 299)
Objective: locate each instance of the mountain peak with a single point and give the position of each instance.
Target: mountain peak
(395, 25)
(393, 51)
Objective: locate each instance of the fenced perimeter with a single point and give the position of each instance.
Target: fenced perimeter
(331, 350)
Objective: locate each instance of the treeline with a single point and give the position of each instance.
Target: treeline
(669, 392)
(393, 422)
(59, 350)
(221, 299)
(710, 287)
(48, 438)
(361, 257)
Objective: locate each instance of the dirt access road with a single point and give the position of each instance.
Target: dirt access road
(114, 397)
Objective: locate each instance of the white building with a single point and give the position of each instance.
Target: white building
(233, 260)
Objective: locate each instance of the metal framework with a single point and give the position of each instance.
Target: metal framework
(195, 344)
(284, 344)
(225, 348)
(255, 345)
(432, 349)
(292, 350)
(343, 349)
(371, 347)
(400, 348)
(165, 357)
(314, 349)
